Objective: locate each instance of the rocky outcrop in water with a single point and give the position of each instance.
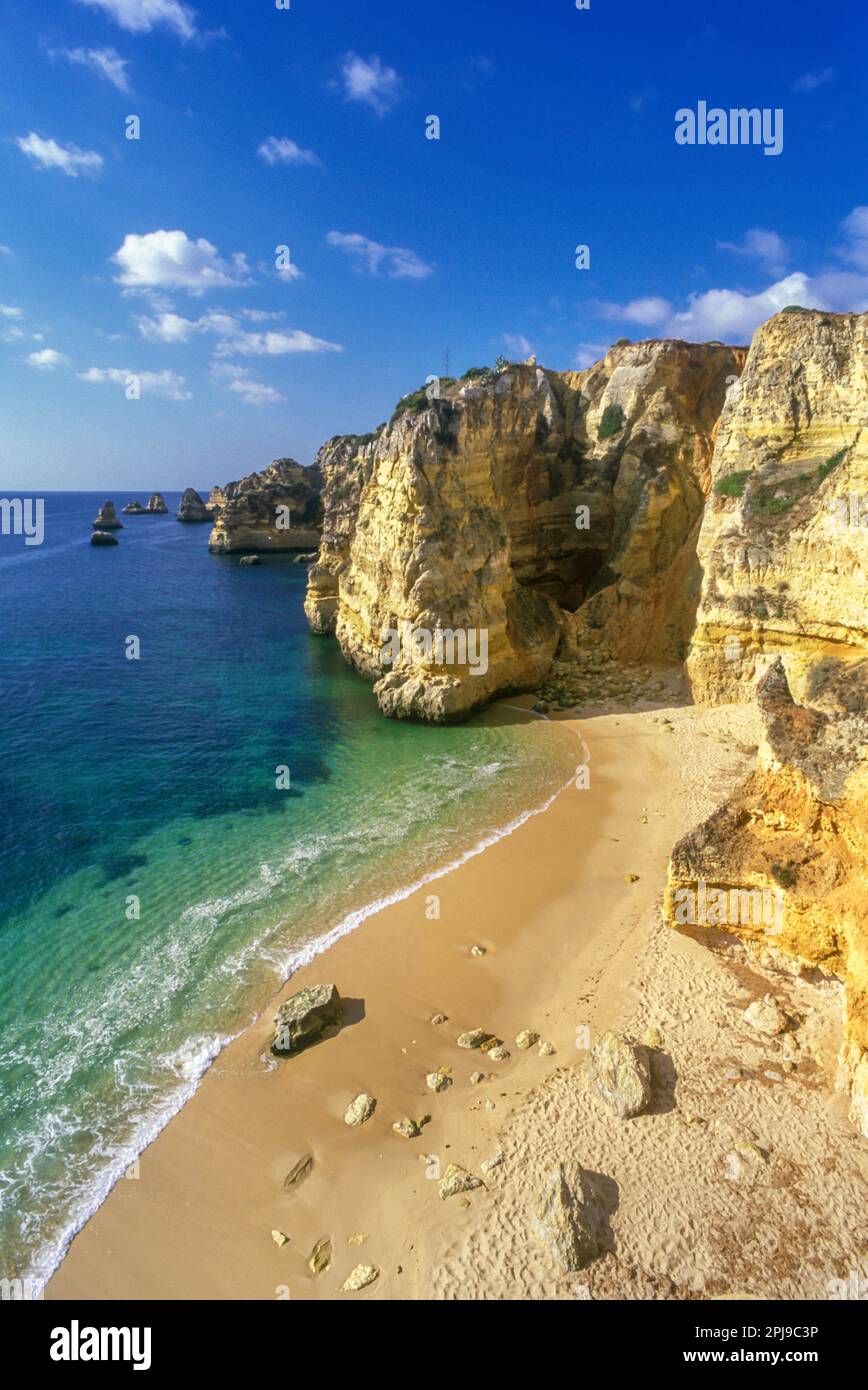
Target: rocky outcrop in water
(106, 518)
(516, 513)
(103, 538)
(192, 508)
(279, 508)
(157, 505)
(133, 509)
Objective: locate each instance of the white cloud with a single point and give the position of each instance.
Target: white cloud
(517, 343)
(10, 311)
(170, 260)
(167, 385)
(761, 245)
(855, 227)
(732, 315)
(141, 16)
(639, 101)
(647, 311)
(587, 354)
(173, 328)
(810, 81)
(166, 328)
(280, 150)
(106, 62)
(274, 344)
(256, 392)
(398, 261)
(369, 81)
(47, 359)
(240, 381)
(49, 155)
(5, 250)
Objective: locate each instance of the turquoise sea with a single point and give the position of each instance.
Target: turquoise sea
(156, 886)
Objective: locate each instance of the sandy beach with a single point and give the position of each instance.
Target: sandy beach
(571, 947)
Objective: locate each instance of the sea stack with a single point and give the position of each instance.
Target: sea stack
(157, 505)
(192, 507)
(133, 509)
(107, 518)
(103, 538)
(277, 509)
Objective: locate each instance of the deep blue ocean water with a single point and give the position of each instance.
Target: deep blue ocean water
(156, 885)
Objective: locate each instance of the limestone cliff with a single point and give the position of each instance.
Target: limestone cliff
(528, 507)
(784, 542)
(277, 509)
(783, 865)
(345, 462)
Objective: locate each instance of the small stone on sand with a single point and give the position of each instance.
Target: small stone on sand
(360, 1110)
(361, 1276)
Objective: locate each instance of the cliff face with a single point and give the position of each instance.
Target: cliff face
(345, 464)
(277, 509)
(782, 865)
(518, 512)
(783, 543)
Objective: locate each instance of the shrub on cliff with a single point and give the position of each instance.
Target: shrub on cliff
(611, 423)
(417, 401)
(732, 485)
(825, 469)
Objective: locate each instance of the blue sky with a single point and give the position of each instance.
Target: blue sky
(306, 128)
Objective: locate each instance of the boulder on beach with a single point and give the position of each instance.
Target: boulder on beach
(305, 1017)
(457, 1179)
(360, 1110)
(407, 1128)
(103, 538)
(298, 1172)
(156, 505)
(474, 1038)
(619, 1071)
(361, 1277)
(192, 508)
(766, 1016)
(321, 1256)
(561, 1219)
(133, 509)
(107, 518)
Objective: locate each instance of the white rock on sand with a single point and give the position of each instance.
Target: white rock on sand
(360, 1109)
